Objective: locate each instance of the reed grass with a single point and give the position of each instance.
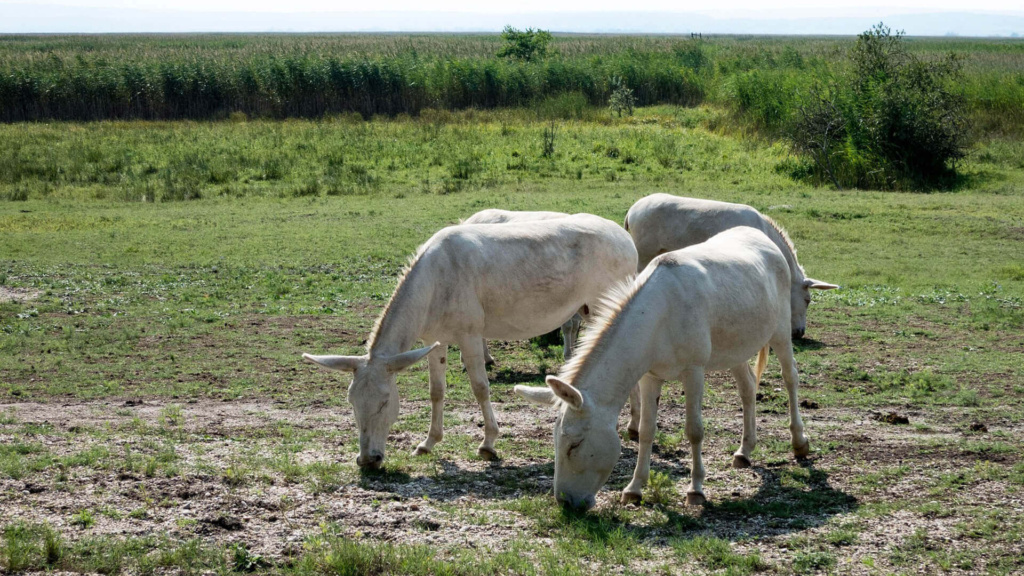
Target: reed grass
(311, 75)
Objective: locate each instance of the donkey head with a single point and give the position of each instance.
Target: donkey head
(585, 449)
(800, 299)
(373, 395)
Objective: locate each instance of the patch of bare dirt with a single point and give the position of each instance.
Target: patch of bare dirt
(9, 294)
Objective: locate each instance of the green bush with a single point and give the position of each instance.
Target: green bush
(525, 45)
(622, 98)
(895, 121)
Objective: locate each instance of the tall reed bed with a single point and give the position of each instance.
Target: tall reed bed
(206, 76)
(308, 84)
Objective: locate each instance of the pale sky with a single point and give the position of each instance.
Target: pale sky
(736, 8)
(843, 17)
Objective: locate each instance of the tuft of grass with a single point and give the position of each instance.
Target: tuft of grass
(813, 562)
(172, 415)
(716, 554)
(27, 547)
(244, 561)
(18, 459)
(660, 489)
(844, 536)
(83, 518)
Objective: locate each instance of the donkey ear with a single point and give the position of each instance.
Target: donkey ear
(537, 394)
(819, 285)
(400, 362)
(344, 363)
(565, 392)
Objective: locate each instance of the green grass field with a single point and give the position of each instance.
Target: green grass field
(159, 281)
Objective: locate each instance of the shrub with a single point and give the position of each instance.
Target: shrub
(465, 167)
(528, 45)
(622, 98)
(910, 116)
(548, 146)
(820, 132)
(897, 121)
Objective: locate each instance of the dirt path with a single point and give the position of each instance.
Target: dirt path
(269, 476)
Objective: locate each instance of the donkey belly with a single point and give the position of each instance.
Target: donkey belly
(737, 342)
(526, 319)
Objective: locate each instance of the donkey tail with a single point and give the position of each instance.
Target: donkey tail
(625, 222)
(762, 362)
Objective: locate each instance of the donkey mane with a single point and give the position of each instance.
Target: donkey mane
(785, 236)
(613, 302)
(397, 294)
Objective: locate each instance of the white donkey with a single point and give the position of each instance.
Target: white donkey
(467, 283)
(661, 223)
(571, 328)
(712, 306)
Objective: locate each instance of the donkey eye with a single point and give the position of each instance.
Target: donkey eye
(573, 446)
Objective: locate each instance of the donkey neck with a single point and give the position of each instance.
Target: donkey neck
(405, 315)
(782, 240)
(624, 350)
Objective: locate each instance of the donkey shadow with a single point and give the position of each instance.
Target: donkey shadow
(788, 499)
(507, 377)
(807, 344)
(804, 500)
(449, 481)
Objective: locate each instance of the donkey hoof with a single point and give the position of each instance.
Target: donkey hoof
(695, 499)
(421, 451)
(487, 453)
(803, 451)
(489, 363)
(634, 435)
(740, 461)
(631, 498)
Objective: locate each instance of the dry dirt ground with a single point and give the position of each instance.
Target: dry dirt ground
(874, 497)
(8, 294)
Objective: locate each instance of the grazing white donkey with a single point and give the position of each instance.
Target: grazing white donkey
(571, 328)
(661, 223)
(467, 283)
(707, 307)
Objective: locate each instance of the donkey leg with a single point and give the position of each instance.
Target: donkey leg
(650, 390)
(693, 383)
(568, 342)
(488, 359)
(437, 363)
(473, 358)
(748, 390)
(570, 331)
(633, 426)
(784, 350)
